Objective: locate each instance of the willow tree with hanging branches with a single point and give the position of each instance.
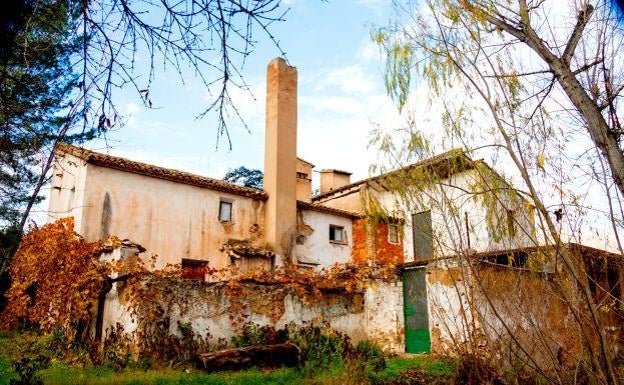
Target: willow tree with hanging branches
(535, 88)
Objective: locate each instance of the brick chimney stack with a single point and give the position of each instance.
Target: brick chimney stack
(280, 158)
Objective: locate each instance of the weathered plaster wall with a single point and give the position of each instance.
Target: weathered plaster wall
(172, 220)
(451, 320)
(67, 188)
(215, 312)
(313, 238)
(462, 316)
(449, 204)
(384, 315)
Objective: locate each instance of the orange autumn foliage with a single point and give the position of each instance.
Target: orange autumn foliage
(55, 278)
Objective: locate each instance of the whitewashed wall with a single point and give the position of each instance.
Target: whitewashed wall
(375, 314)
(448, 202)
(314, 226)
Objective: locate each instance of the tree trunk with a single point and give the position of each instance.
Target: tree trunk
(266, 356)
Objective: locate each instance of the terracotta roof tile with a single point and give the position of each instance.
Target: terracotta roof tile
(127, 165)
(451, 161)
(328, 210)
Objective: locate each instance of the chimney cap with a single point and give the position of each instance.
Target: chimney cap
(279, 60)
(335, 171)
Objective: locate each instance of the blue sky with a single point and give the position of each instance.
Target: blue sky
(341, 97)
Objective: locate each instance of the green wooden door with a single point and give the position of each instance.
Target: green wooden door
(417, 338)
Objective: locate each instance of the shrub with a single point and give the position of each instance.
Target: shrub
(29, 355)
(371, 355)
(117, 349)
(321, 348)
(253, 334)
(474, 370)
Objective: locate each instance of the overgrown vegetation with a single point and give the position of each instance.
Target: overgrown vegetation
(330, 358)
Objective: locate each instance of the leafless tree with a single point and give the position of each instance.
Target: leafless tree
(124, 43)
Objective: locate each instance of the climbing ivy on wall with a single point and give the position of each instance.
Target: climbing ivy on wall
(58, 280)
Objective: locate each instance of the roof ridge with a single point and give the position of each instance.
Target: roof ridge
(146, 169)
(458, 151)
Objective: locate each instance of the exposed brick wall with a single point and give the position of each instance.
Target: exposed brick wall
(360, 250)
(387, 252)
(372, 244)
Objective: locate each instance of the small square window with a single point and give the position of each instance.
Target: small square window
(393, 233)
(336, 234)
(225, 211)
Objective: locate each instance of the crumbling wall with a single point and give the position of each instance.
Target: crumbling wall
(384, 315)
(507, 313)
(217, 311)
(451, 322)
(531, 317)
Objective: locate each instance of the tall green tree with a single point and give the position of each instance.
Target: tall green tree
(36, 80)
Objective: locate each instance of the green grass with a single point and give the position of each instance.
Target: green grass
(97, 376)
(396, 368)
(60, 373)
(5, 360)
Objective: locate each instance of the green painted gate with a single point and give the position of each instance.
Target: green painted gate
(417, 338)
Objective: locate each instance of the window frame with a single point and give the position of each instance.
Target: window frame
(222, 202)
(332, 231)
(395, 226)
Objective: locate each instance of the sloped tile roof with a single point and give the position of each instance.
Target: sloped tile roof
(447, 163)
(140, 168)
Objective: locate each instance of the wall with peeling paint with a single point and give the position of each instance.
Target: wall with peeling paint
(313, 238)
(530, 320)
(374, 313)
(384, 315)
(171, 220)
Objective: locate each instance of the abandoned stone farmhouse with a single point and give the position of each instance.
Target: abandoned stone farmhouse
(418, 219)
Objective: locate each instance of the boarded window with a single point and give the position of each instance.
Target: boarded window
(421, 226)
(393, 233)
(225, 211)
(336, 234)
(194, 269)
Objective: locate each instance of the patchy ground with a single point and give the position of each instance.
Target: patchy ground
(405, 370)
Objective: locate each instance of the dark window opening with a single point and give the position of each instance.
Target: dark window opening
(336, 234)
(225, 211)
(511, 223)
(194, 269)
(515, 259)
